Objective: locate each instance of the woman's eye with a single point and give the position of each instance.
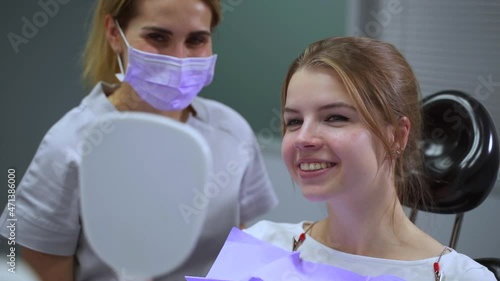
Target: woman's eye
(337, 118)
(293, 122)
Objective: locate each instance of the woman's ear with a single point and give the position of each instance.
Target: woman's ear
(113, 34)
(401, 134)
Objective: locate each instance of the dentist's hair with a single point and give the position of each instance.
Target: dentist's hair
(99, 60)
(384, 88)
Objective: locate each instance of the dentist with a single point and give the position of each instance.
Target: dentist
(148, 56)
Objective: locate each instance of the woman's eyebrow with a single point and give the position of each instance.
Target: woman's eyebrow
(338, 105)
(324, 107)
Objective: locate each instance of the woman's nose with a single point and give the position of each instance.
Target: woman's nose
(308, 138)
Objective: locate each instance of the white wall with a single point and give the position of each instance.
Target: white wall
(479, 236)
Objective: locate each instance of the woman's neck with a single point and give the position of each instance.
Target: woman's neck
(369, 223)
(361, 231)
(374, 229)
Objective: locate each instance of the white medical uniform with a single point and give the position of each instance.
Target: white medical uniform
(47, 198)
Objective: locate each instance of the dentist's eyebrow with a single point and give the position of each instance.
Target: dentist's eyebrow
(201, 33)
(169, 32)
(157, 29)
(324, 107)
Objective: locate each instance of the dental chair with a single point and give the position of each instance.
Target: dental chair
(461, 158)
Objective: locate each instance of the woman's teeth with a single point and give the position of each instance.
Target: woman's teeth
(314, 166)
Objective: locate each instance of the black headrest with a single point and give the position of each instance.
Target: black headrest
(461, 154)
(493, 264)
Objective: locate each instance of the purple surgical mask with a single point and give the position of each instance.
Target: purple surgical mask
(166, 83)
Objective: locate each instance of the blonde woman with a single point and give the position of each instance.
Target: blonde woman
(132, 60)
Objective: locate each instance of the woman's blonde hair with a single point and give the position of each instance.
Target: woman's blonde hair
(99, 60)
(384, 88)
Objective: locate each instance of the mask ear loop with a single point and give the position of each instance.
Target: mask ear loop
(120, 64)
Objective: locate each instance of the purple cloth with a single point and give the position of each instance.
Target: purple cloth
(246, 258)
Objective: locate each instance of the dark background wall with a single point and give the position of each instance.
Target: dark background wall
(41, 43)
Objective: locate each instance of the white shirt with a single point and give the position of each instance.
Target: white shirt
(47, 198)
(454, 266)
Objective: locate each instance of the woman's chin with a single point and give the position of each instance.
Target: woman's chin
(315, 195)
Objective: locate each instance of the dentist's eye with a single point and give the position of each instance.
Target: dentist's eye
(157, 37)
(337, 118)
(197, 40)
